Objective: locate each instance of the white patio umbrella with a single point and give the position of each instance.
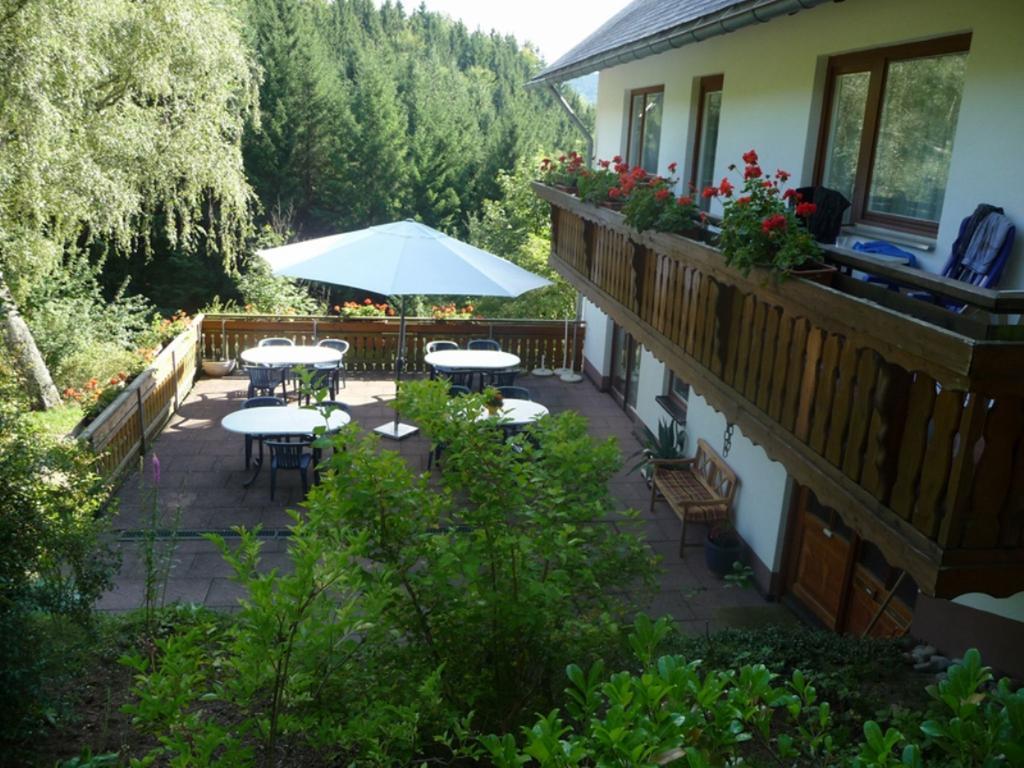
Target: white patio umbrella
(402, 259)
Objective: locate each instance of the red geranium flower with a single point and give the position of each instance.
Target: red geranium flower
(805, 209)
(726, 187)
(368, 302)
(614, 193)
(789, 193)
(743, 200)
(752, 172)
(750, 158)
(604, 163)
(617, 159)
(782, 176)
(661, 194)
(773, 222)
(709, 192)
(685, 200)
(672, 167)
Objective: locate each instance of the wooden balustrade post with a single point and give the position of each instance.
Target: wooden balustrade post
(588, 247)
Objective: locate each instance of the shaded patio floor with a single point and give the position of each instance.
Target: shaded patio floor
(202, 475)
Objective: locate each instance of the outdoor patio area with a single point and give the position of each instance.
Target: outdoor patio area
(202, 475)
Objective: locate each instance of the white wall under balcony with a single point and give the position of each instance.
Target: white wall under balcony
(761, 502)
(651, 384)
(774, 76)
(597, 344)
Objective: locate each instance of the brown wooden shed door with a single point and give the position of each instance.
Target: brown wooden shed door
(823, 550)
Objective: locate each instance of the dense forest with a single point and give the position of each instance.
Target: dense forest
(147, 150)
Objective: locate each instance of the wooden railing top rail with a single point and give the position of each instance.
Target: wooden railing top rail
(995, 301)
(990, 301)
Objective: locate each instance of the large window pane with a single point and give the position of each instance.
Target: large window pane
(652, 133)
(915, 136)
(636, 113)
(634, 373)
(846, 124)
(711, 109)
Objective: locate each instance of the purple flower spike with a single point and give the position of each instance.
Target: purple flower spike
(156, 469)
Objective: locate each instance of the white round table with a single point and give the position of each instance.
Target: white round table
(294, 355)
(471, 360)
(514, 413)
(278, 420)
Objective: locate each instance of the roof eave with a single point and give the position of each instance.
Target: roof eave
(695, 31)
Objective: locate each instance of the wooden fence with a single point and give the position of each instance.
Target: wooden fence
(374, 341)
(120, 434)
(909, 419)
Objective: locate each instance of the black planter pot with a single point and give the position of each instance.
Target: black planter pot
(721, 553)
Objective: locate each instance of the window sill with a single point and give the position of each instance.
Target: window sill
(858, 232)
(672, 408)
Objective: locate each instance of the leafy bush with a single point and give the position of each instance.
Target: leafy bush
(670, 710)
(411, 608)
(82, 334)
(53, 562)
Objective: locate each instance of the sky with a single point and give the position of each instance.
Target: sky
(554, 26)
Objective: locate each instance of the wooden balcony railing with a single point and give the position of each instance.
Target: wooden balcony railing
(907, 418)
(374, 341)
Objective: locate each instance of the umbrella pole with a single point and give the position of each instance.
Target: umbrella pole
(395, 430)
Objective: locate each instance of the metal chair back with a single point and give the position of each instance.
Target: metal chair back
(276, 341)
(489, 344)
(437, 346)
(515, 393)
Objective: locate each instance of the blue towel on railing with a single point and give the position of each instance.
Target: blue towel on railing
(885, 248)
(986, 243)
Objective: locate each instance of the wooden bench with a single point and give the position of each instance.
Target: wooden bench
(700, 489)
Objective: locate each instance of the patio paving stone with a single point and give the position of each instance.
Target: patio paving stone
(202, 474)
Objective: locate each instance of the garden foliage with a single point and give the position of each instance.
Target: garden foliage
(412, 608)
(53, 562)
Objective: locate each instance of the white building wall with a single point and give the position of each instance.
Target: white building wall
(651, 384)
(771, 100)
(597, 343)
(759, 512)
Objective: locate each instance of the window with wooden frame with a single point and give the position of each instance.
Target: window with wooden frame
(643, 136)
(887, 131)
(709, 108)
(676, 397)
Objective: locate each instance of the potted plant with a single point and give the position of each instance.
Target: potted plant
(722, 547)
(761, 229)
(219, 365)
(669, 443)
(594, 185)
(493, 401)
(562, 173)
(652, 205)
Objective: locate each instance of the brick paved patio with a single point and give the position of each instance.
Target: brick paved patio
(202, 475)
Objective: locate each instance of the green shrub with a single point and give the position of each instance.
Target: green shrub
(412, 608)
(671, 710)
(53, 564)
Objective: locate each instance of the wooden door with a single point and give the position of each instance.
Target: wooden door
(822, 554)
(842, 579)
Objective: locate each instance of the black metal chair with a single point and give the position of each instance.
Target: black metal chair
(515, 393)
(438, 346)
(320, 377)
(506, 378)
(337, 371)
(289, 455)
(454, 390)
(264, 380)
(489, 344)
(275, 341)
(258, 402)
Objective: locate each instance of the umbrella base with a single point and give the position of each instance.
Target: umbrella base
(396, 432)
